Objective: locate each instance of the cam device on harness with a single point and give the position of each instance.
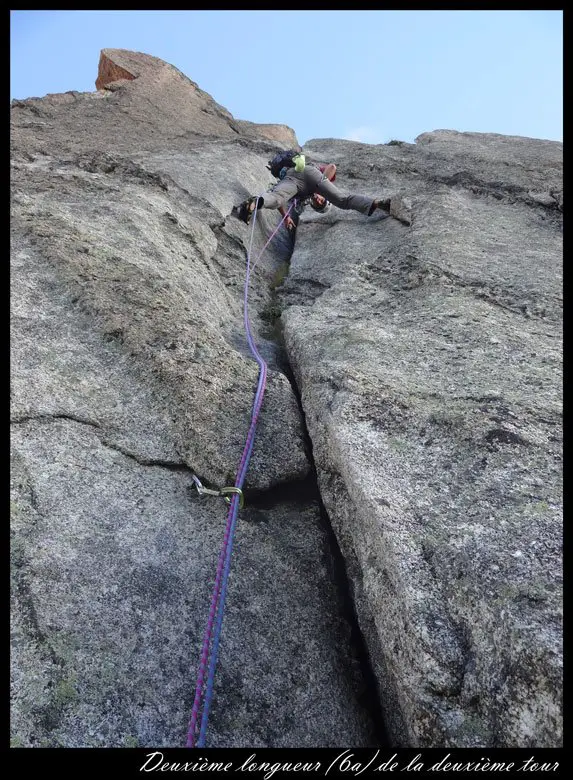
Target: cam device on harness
(319, 204)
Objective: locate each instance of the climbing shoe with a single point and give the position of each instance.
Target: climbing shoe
(380, 203)
(244, 211)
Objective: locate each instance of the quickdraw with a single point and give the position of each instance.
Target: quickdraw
(226, 492)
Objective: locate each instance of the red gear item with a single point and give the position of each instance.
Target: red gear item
(322, 167)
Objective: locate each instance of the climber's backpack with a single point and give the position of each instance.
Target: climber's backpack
(282, 160)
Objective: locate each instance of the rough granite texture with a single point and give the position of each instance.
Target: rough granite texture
(416, 370)
(429, 363)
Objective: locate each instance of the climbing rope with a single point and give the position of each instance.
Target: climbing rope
(212, 635)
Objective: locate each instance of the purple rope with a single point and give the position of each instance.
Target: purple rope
(218, 626)
(217, 606)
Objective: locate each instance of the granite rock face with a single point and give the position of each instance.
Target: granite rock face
(428, 359)
(130, 374)
(415, 370)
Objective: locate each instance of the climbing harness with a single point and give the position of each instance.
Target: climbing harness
(233, 496)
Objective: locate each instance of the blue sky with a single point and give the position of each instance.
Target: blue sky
(370, 76)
